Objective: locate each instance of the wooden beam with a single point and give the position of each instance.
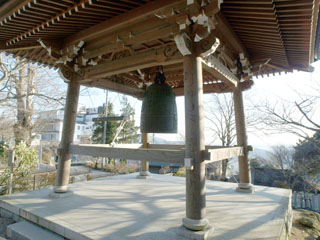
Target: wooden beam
(214, 155)
(121, 20)
(22, 47)
(10, 7)
(207, 88)
(152, 155)
(217, 88)
(164, 55)
(134, 37)
(117, 87)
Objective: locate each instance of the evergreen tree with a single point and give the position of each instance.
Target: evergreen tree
(129, 133)
(307, 154)
(99, 127)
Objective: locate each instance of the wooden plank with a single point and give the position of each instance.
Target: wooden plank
(121, 20)
(167, 146)
(219, 154)
(115, 118)
(151, 155)
(182, 146)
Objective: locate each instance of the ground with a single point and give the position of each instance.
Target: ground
(298, 231)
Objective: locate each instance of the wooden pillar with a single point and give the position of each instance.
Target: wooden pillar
(244, 166)
(144, 170)
(69, 122)
(194, 137)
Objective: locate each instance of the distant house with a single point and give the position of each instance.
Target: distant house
(51, 131)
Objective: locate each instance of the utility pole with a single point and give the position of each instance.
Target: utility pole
(105, 128)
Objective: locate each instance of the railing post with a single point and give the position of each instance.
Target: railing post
(11, 166)
(244, 166)
(144, 167)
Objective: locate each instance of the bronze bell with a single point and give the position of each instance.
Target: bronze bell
(159, 108)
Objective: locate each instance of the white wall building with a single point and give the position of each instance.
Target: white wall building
(51, 133)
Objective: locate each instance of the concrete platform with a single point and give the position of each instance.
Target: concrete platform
(124, 207)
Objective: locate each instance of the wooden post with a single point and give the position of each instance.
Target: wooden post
(144, 170)
(11, 166)
(244, 166)
(39, 157)
(34, 182)
(69, 122)
(194, 137)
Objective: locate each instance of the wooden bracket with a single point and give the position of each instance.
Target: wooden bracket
(67, 73)
(207, 46)
(184, 43)
(218, 69)
(52, 50)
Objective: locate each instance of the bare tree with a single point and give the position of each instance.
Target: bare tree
(290, 117)
(220, 115)
(282, 157)
(295, 112)
(297, 169)
(222, 126)
(25, 90)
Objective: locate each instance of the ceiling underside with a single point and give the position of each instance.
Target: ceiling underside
(275, 33)
(275, 29)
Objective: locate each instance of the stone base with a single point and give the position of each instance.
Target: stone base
(144, 175)
(60, 189)
(195, 224)
(245, 188)
(197, 235)
(61, 195)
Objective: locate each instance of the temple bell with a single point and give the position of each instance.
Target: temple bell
(159, 108)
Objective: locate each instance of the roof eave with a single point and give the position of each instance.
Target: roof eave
(313, 32)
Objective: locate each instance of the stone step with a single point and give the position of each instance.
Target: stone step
(28, 231)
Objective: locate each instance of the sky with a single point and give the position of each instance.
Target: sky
(284, 87)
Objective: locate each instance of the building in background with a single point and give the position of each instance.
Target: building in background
(51, 131)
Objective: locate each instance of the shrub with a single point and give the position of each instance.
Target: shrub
(25, 161)
(180, 173)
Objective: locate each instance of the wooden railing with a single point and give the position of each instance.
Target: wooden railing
(154, 152)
